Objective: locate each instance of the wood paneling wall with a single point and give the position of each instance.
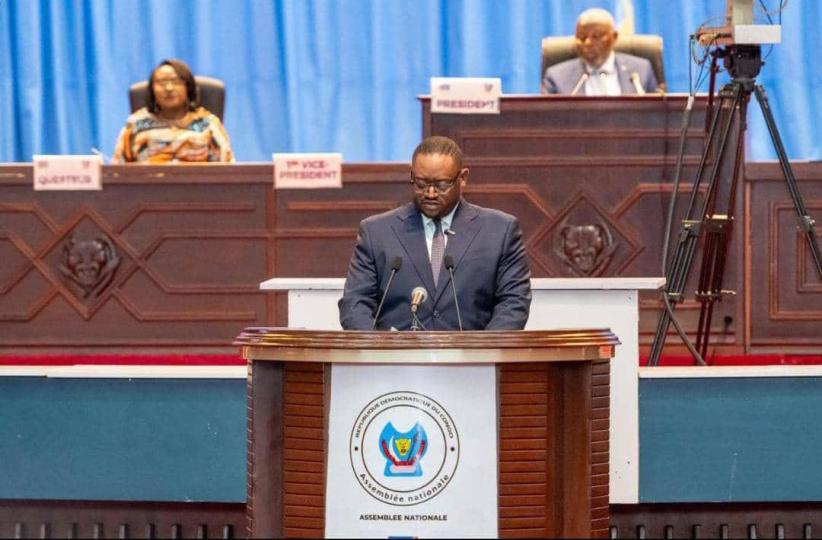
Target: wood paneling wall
(783, 291)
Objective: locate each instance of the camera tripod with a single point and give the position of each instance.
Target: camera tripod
(713, 217)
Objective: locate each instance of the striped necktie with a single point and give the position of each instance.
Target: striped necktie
(437, 251)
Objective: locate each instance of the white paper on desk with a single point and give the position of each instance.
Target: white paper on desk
(67, 173)
(307, 171)
(465, 95)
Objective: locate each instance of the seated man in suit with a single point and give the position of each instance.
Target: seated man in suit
(419, 240)
(598, 70)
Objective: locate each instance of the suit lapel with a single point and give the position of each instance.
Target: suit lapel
(409, 232)
(625, 84)
(576, 76)
(465, 227)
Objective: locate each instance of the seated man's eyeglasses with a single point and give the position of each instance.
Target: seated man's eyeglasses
(440, 186)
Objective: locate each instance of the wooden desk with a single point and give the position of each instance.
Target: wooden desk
(192, 245)
(194, 242)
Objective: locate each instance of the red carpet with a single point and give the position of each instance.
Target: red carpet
(125, 359)
(740, 360)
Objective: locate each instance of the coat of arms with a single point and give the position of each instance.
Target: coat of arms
(403, 451)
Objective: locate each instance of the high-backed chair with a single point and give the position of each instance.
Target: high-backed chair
(556, 49)
(210, 94)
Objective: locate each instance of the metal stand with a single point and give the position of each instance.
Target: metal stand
(416, 324)
(712, 218)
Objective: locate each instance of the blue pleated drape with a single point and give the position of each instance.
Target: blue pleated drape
(336, 75)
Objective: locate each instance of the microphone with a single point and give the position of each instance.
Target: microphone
(448, 261)
(396, 263)
(580, 82)
(638, 87)
(418, 296)
(450, 232)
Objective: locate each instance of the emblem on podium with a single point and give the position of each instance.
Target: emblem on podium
(404, 468)
(403, 451)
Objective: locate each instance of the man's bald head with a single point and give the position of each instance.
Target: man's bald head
(595, 35)
(596, 15)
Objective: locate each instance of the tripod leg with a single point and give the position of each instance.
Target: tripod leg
(706, 313)
(675, 285)
(806, 223)
(726, 94)
(703, 294)
(677, 273)
(718, 228)
(681, 263)
(710, 280)
(659, 338)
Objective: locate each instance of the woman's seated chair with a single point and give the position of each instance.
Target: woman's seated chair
(556, 49)
(210, 94)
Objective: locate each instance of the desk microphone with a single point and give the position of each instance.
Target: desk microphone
(580, 82)
(418, 296)
(448, 261)
(396, 263)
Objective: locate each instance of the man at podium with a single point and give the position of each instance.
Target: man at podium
(438, 262)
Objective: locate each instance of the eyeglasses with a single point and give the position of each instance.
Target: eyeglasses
(176, 81)
(440, 186)
(595, 36)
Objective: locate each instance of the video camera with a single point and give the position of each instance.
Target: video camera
(739, 28)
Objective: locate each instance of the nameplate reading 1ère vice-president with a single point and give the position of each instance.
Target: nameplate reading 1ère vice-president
(465, 95)
(307, 171)
(67, 173)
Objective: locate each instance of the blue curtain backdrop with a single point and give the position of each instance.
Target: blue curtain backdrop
(336, 75)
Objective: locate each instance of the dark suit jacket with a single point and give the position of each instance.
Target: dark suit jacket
(563, 77)
(491, 273)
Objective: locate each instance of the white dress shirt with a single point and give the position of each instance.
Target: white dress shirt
(603, 80)
(430, 228)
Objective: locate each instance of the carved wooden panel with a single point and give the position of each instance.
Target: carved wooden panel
(553, 450)
(305, 450)
(169, 259)
(785, 292)
(161, 259)
(600, 442)
(182, 249)
(526, 454)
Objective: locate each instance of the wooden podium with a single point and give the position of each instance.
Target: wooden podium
(552, 403)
